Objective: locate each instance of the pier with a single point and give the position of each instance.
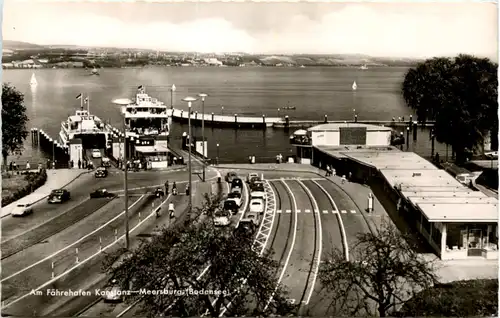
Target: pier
(60, 153)
(237, 121)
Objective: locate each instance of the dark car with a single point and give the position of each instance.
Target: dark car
(230, 176)
(230, 205)
(101, 172)
(101, 193)
(59, 196)
(254, 179)
(159, 192)
(237, 182)
(246, 227)
(257, 186)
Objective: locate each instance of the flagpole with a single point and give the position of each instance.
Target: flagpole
(81, 101)
(88, 103)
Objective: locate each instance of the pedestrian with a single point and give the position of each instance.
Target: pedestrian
(71, 164)
(79, 164)
(277, 159)
(174, 159)
(166, 187)
(14, 166)
(54, 164)
(403, 118)
(343, 179)
(28, 165)
(11, 166)
(327, 170)
(350, 175)
(334, 172)
(399, 119)
(187, 189)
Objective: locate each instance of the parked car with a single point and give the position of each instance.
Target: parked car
(22, 209)
(237, 182)
(230, 205)
(230, 176)
(252, 175)
(159, 192)
(236, 190)
(257, 205)
(257, 186)
(112, 293)
(222, 218)
(236, 197)
(245, 227)
(59, 196)
(101, 172)
(101, 193)
(96, 153)
(258, 195)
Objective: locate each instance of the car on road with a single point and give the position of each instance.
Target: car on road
(230, 176)
(230, 205)
(101, 193)
(112, 293)
(257, 186)
(237, 182)
(257, 205)
(236, 197)
(236, 190)
(105, 162)
(222, 218)
(101, 172)
(252, 175)
(96, 153)
(159, 192)
(258, 195)
(59, 196)
(22, 209)
(245, 227)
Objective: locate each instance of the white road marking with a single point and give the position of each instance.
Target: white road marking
(343, 211)
(335, 212)
(307, 211)
(325, 212)
(316, 211)
(288, 211)
(353, 211)
(278, 211)
(72, 244)
(342, 228)
(320, 242)
(297, 211)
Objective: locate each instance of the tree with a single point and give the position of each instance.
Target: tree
(460, 94)
(174, 260)
(384, 272)
(14, 120)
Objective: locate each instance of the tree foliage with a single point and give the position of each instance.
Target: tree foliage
(460, 94)
(175, 259)
(384, 271)
(14, 120)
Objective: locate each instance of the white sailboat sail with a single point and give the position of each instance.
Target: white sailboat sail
(354, 86)
(33, 80)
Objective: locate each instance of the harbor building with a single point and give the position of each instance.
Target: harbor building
(455, 220)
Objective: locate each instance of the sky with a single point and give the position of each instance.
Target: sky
(402, 29)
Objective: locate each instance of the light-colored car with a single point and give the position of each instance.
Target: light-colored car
(222, 218)
(236, 197)
(112, 293)
(257, 205)
(96, 153)
(258, 195)
(252, 175)
(22, 209)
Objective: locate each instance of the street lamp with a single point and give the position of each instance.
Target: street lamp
(189, 100)
(217, 154)
(124, 102)
(172, 90)
(203, 95)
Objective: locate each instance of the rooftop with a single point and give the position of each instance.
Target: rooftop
(345, 151)
(437, 194)
(337, 126)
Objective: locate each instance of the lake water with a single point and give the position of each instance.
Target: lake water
(233, 90)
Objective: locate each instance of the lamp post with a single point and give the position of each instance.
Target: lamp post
(124, 102)
(189, 100)
(203, 95)
(172, 90)
(217, 154)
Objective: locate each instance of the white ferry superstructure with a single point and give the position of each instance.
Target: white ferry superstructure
(87, 127)
(147, 122)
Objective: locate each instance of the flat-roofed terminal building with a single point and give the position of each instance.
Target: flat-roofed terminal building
(457, 221)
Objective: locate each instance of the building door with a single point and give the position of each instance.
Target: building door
(475, 240)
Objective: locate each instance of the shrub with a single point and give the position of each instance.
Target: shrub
(35, 180)
(457, 299)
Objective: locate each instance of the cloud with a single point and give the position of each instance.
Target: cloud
(382, 29)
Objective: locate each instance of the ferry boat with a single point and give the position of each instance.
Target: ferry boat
(147, 121)
(85, 126)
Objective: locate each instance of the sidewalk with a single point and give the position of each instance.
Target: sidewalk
(58, 178)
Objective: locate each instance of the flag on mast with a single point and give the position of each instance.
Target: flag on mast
(81, 100)
(79, 96)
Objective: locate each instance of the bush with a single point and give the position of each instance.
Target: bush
(457, 299)
(35, 180)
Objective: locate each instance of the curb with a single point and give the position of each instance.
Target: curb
(43, 198)
(370, 224)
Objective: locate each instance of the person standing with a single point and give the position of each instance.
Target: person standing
(28, 165)
(79, 164)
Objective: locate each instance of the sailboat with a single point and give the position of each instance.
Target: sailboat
(354, 86)
(33, 81)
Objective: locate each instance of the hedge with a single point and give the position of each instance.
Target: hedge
(35, 180)
(456, 299)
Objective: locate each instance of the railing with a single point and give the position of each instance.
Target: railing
(224, 118)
